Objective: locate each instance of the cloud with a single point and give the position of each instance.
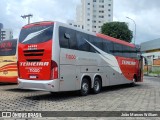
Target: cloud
(144, 12)
(54, 10)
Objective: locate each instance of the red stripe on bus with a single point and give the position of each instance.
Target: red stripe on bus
(38, 24)
(115, 40)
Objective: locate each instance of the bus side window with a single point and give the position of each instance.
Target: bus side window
(108, 46)
(125, 51)
(63, 40)
(82, 44)
(117, 49)
(96, 42)
(92, 41)
(67, 38)
(133, 53)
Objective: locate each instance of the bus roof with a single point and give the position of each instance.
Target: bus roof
(96, 34)
(115, 40)
(38, 24)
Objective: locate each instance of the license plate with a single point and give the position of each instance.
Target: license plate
(33, 76)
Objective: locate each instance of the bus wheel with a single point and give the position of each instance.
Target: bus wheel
(97, 86)
(85, 87)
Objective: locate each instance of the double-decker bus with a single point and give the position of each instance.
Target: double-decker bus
(56, 57)
(8, 61)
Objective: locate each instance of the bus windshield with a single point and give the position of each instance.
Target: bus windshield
(8, 48)
(36, 34)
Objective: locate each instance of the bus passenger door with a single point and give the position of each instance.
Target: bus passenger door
(140, 70)
(67, 70)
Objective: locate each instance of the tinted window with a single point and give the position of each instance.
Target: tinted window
(108, 46)
(36, 34)
(8, 48)
(133, 53)
(92, 41)
(126, 51)
(67, 38)
(96, 42)
(117, 49)
(82, 44)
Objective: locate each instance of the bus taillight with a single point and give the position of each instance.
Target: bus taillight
(54, 70)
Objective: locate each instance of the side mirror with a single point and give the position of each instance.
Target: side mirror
(67, 36)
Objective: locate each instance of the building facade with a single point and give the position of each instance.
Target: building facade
(92, 14)
(151, 53)
(5, 34)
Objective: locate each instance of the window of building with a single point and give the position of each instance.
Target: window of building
(109, 15)
(88, 19)
(94, 16)
(109, 4)
(101, 1)
(101, 6)
(94, 0)
(88, 3)
(109, 9)
(101, 11)
(101, 16)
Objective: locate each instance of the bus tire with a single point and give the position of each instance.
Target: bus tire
(97, 86)
(84, 87)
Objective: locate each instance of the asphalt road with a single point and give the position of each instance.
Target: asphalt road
(143, 97)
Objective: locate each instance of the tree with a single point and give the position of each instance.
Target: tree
(117, 30)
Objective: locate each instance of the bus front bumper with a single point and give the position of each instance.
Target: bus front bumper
(47, 85)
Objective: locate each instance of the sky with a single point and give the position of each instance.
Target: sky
(145, 13)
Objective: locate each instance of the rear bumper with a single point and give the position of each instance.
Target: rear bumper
(47, 85)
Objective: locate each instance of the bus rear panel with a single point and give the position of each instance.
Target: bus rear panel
(8, 62)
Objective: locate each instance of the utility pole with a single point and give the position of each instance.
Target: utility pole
(27, 16)
(135, 29)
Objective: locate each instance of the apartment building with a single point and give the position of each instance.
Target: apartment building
(92, 14)
(5, 34)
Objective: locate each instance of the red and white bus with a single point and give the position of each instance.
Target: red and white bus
(8, 61)
(56, 57)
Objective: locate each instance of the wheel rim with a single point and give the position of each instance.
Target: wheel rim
(85, 87)
(96, 85)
